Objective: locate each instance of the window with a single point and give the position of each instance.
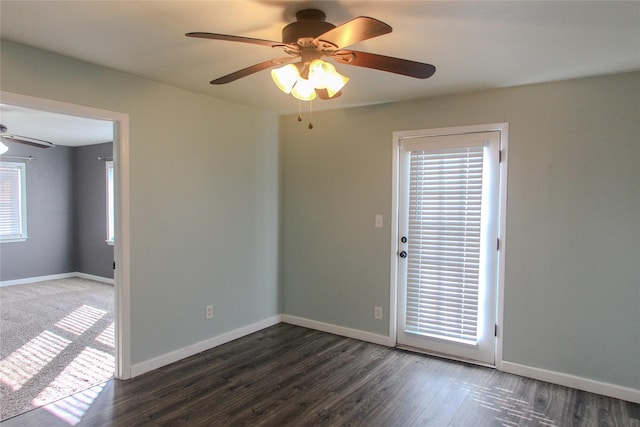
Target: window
(110, 204)
(13, 202)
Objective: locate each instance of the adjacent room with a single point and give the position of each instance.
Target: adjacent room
(57, 327)
(446, 234)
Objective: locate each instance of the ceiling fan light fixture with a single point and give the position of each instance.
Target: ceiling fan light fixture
(285, 77)
(303, 90)
(3, 148)
(311, 38)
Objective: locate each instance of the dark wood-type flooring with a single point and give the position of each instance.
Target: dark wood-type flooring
(291, 376)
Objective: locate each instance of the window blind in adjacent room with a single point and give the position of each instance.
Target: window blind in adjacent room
(12, 203)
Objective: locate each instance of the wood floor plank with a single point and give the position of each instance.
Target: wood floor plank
(291, 376)
(363, 394)
(313, 384)
(262, 384)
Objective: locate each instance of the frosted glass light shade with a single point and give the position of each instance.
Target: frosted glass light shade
(323, 75)
(3, 148)
(318, 71)
(285, 77)
(303, 90)
(335, 82)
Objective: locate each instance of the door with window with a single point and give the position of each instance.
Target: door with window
(448, 223)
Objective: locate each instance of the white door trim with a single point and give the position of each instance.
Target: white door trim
(122, 243)
(503, 128)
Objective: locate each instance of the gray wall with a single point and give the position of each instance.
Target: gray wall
(50, 213)
(207, 232)
(572, 287)
(92, 254)
(66, 214)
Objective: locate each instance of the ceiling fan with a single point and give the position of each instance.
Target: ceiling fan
(5, 136)
(309, 39)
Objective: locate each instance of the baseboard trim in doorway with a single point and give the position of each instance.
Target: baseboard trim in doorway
(338, 330)
(580, 383)
(28, 280)
(174, 356)
(95, 278)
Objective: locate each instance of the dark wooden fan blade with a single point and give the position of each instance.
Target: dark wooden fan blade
(404, 67)
(249, 40)
(354, 31)
(253, 69)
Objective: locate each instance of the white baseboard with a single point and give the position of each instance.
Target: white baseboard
(37, 279)
(95, 278)
(338, 330)
(580, 383)
(174, 356)
(55, 277)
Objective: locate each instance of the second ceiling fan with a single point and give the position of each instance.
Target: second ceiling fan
(6, 136)
(310, 38)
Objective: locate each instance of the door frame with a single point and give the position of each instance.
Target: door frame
(121, 180)
(503, 128)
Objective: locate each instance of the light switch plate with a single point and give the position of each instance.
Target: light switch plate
(378, 221)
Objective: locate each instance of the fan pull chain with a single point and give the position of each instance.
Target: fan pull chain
(310, 113)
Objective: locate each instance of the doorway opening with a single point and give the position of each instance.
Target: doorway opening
(92, 314)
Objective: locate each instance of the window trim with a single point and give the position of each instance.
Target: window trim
(110, 198)
(22, 236)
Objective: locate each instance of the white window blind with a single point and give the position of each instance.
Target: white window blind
(13, 216)
(445, 205)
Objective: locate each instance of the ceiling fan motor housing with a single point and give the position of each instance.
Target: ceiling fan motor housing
(310, 23)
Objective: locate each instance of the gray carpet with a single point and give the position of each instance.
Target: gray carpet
(56, 338)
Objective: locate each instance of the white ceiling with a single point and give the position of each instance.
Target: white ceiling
(473, 44)
(57, 128)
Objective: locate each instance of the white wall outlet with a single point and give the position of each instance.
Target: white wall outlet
(378, 221)
(209, 312)
(377, 312)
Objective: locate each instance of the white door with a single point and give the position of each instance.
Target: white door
(448, 207)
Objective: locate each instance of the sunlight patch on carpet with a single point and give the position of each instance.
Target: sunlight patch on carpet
(90, 367)
(108, 336)
(67, 317)
(24, 363)
(80, 320)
